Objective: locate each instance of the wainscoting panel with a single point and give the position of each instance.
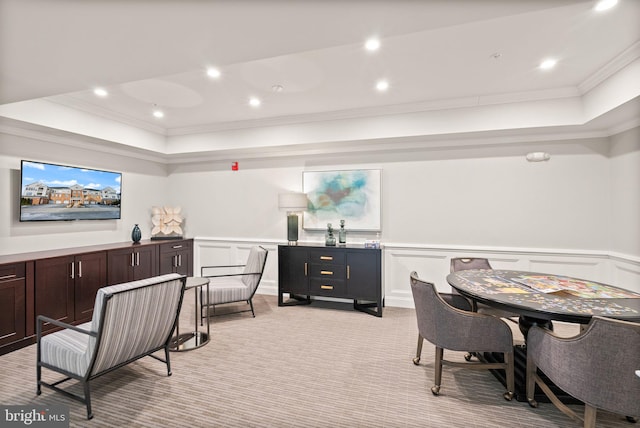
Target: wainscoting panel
(432, 264)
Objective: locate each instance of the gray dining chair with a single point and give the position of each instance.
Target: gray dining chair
(596, 367)
(466, 263)
(457, 330)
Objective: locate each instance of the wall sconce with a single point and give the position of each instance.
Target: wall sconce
(538, 156)
(293, 203)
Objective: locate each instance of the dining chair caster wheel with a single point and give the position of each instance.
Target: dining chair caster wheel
(416, 361)
(468, 356)
(631, 419)
(435, 390)
(533, 403)
(508, 396)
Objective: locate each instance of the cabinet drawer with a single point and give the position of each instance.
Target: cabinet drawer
(327, 271)
(327, 256)
(329, 287)
(11, 271)
(175, 246)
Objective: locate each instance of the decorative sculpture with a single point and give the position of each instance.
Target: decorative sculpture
(167, 223)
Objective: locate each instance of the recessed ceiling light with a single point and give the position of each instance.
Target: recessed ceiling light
(214, 73)
(382, 85)
(158, 114)
(548, 64)
(254, 102)
(101, 92)
(603, 5)
(372, 44)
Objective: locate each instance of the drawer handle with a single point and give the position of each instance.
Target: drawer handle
(175, 247)
(13, 275)
(305, 268)
(348, 272)
(326, 272)
(327, 287)
(326, 258)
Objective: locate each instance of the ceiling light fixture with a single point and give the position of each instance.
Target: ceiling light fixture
(101, 92)
(277, 88)
(538, 156)
(214, 73)
(548, 64)
(382, 85)
(157, 113)
(603, 5)
(254, 102)
(372, 44)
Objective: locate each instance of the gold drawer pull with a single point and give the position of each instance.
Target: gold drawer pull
(326, 272)
(327, 287)
(326, 258)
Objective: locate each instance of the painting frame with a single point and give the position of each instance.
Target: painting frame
(350, 195)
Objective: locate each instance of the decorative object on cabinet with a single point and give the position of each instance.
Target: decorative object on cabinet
(350, 195)
(136, 234)
(342, 234)
(345, 272)
(329, 239)
(293, 203)
(167, 223)
(131, 321)
(236, 283)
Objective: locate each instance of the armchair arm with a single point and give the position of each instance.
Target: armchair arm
(44, 319)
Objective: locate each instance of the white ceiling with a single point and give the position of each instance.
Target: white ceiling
(434, 54)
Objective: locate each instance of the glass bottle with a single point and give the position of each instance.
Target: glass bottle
(329, 239)
(342, 234)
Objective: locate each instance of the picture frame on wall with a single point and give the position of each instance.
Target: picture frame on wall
(352, 195)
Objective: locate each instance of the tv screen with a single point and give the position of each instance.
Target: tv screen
(52, 192)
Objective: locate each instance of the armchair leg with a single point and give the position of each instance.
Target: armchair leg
(251, 304)
(435, 389)
(531, 382)
(416, 360)
(87, 397)
(509, 358)
(167, 360)
(589, 416)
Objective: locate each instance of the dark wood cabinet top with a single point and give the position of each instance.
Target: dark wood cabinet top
(13, 258)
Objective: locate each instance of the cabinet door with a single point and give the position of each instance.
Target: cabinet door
(120, 266)
(12, 303)
(54, 290)
(293, 270)
(176, 257)
(144, 261)
(90, 275)
(363, 274)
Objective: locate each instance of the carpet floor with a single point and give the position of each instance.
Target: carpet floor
(322, 365)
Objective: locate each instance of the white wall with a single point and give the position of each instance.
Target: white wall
(143, 185)
(625, 193)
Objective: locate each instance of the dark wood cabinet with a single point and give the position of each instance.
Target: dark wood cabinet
(62, 284)
(347, 272)
(131, 264)
(177, 257)
(89, 276)
(12, 303)
(66, 287)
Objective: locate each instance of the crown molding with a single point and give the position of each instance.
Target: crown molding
(619, 62)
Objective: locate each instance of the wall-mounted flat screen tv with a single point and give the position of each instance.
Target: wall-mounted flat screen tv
(51, 192)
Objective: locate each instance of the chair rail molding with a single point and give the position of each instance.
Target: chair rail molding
(432, 263)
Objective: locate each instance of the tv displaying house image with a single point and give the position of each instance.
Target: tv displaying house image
(51, 192)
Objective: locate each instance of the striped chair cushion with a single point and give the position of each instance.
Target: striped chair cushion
(137, 319)
(68, 349)
(228, 289)
(255, 263)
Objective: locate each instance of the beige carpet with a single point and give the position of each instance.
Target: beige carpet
(323, 365)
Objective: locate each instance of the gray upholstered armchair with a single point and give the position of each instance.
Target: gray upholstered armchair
(234, 283)
(466, 263)
(457, 330)
(597, 367)
(130, 321)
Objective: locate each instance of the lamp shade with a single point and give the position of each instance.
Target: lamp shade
(292, 201)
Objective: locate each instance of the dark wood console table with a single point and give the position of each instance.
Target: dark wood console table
(346, 272)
